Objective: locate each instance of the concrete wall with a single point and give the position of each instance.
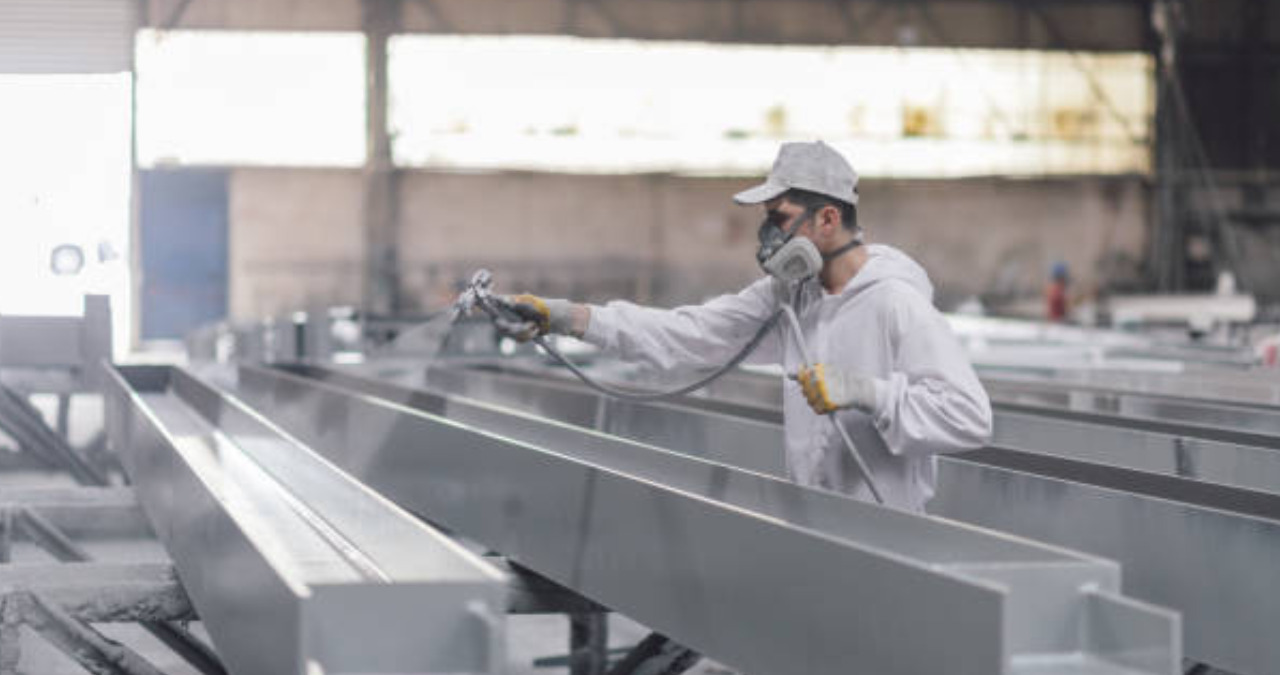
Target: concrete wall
(999, 237)
(295, 240)
(667, 239)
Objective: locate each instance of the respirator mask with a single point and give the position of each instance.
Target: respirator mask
(783, 255)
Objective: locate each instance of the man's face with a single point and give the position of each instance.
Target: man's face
(784, 214)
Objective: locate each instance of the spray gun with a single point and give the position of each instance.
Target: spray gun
(479, 295)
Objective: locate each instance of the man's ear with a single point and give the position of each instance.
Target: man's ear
(829, 219)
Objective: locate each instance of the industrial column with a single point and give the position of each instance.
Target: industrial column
(379, 208)
(1168, 236)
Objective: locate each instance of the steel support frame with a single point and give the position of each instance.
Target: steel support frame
(276, 546)
(57, 354)
(81, 513)
(20, 420)
(532, 593)
(44, 516)
(94, 651)
(656, 654)
(588, 643)
(652, 534)
(1198, 556)
(59, 602)
(49, 537)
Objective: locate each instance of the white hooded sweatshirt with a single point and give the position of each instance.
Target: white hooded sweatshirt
(882, 324)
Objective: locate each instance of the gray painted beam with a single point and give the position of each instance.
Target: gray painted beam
(1251, 424)
(290, 562)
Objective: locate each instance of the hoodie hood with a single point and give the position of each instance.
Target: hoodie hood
(885, 263)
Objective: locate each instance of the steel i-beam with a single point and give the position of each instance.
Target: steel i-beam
(1249, 388)
(1201, 549)
(751, 570)
(1211, 419)
(294, 566)
(1215, 455)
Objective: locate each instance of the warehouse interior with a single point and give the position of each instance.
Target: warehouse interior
(270, 402)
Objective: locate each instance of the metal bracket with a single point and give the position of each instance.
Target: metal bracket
(657, 655)
(57, 544)
(59, 601)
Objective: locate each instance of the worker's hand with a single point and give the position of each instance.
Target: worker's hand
(831, 389)
(537, 317)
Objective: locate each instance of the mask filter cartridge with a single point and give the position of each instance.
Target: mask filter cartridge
(783, 255)
(796, 260)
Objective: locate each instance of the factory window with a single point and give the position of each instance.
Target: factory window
(225, 98)
(570, 104)
(64, 205)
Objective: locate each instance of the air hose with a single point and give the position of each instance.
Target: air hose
(645, 396)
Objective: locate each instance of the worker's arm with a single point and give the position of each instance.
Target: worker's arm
(932, 401)
(696, 336)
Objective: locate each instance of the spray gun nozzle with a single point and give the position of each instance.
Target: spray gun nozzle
(476, 294)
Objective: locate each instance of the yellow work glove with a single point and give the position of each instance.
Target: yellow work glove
(538, 316)
(829, 390)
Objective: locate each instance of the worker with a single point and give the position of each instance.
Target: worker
(885, 359)
(1055, 293)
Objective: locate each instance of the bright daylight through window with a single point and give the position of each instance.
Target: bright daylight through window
(275, 99)
(610, 106)
(556, 103)
(64, 208)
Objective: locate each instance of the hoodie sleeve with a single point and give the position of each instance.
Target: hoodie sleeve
(932, 402)
(697, 336)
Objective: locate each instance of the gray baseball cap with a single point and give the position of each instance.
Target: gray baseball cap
(815, 167)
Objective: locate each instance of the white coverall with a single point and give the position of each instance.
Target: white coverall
(882, 324)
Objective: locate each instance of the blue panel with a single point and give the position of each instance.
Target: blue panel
(184, 250)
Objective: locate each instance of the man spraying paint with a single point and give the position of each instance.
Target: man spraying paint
(868, 347)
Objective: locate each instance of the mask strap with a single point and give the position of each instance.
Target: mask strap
(842, 250)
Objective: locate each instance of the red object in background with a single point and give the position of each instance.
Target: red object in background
(1055, 297)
